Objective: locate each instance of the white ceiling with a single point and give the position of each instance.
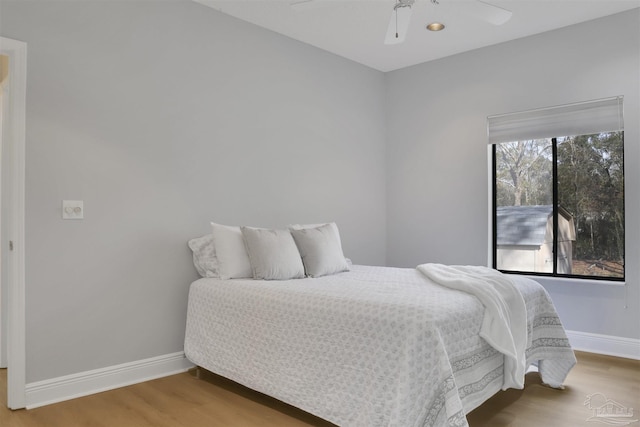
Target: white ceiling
(355, 29)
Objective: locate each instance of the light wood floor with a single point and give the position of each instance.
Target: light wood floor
(185, 401)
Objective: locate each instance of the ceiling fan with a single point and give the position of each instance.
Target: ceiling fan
(401, 16)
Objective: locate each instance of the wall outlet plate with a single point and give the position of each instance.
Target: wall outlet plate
(72, 209)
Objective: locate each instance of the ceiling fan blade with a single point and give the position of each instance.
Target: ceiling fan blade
(398, 25)
(306, 4)
(493, 14)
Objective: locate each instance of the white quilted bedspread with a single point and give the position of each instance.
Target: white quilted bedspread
(375, 346)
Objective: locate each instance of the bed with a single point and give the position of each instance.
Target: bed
(367, 347)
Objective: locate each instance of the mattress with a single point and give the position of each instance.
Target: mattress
(374, 346)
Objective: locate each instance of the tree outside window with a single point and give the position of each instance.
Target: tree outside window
(562, 196)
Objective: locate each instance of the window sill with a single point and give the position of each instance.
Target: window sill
(544, 280)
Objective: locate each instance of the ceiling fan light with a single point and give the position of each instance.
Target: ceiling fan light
(435, 26)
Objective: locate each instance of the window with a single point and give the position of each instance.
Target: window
(558, 190)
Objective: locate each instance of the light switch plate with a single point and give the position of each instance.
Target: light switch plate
(72, 209)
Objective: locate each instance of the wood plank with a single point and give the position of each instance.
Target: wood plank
(184, 401)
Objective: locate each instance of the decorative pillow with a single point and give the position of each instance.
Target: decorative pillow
(273, 254)
(303, 226)
(320, 250)
(233, 261)
(204, 256)
(332, 224)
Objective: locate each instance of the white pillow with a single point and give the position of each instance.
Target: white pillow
(320, 250)
(204, 256)
(233, 261)
(273, 254)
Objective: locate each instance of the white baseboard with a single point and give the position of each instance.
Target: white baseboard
(85, 383)
(59, 389)
(605, 344)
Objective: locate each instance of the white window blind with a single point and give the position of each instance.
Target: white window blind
(583, 118)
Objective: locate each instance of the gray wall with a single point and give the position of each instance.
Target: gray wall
(164, 116)
(437, 172)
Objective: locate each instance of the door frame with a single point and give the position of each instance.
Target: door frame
(13, 146)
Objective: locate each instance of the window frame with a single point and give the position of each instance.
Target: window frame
(544, 275)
